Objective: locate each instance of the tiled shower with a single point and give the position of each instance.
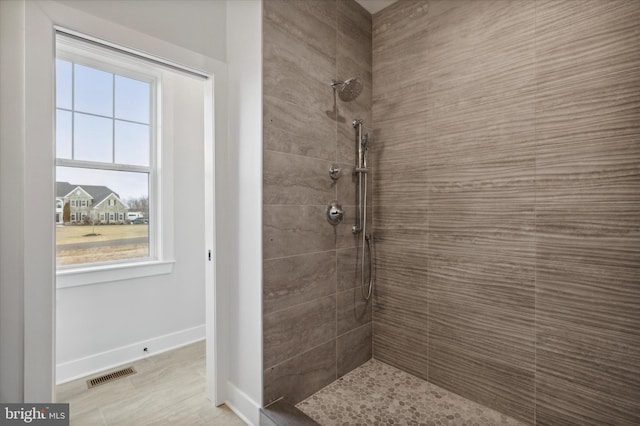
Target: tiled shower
(506, 201)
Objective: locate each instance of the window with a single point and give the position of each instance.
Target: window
(105, 153)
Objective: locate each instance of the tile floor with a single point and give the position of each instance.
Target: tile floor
(378, 394)
(168, 389)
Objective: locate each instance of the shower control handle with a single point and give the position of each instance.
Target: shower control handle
(335, 213)
(335, 171)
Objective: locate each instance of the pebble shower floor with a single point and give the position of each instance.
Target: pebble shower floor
(378, 394)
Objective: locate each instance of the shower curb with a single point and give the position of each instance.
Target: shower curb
(283, 413)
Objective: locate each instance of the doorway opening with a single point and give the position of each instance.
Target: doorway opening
(134, 215)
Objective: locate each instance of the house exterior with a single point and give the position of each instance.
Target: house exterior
(89, 202)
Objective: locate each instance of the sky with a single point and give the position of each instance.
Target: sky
(105, 118)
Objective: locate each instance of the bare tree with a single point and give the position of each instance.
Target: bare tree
(139, 204)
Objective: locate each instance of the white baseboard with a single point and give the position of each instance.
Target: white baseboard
(81, 367)
(241, 404)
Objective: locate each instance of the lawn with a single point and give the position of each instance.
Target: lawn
(101, 254)
(76, 233)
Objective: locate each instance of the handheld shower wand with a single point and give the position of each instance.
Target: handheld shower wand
(361, 224)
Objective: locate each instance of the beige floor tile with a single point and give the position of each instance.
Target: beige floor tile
(168, 389)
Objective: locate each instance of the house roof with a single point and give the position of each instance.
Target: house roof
(98, 193)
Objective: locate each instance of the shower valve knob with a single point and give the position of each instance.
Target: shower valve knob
(334, 171)
(335, 213)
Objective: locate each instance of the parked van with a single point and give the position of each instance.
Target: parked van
(135, 215)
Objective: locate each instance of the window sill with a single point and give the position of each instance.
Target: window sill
(108, 273)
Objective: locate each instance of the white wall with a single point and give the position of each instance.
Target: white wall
(11, 194)
(244, 58)
(196, 25)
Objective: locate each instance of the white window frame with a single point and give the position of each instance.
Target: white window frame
(86, 52)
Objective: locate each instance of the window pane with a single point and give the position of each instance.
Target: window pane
(93, 92)
(93, 138)
(132, 143)
(132, 99)
(63, 134)
(113, 226)
(63, 84)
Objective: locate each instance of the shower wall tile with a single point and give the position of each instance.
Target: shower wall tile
(563, 402)
(481, 329)
(298, 329)
(299, 377)
(401, 104)
(479, 49)
(400, 144)
(354, 348)
(360, 109)
(587, 118)
(590, 295)
(299, 63)
(286, 63)
(312, 23)
(353, 310)
(400, 303)
(488, 381)
(586, 375)
(590, 231)
(348, 266)
(589, 125)
(405, 224)
(290, 281)
(401, 264)
(399, 57)
(402, 346)
(486, 136)
(354, 41)
(344, 233)
(588, 334)
(353, 61)
(506, 133)
(346, 185)
(481, 202)
(291, 179)
(288, 128)
(482, 224)
(402, 185)
(306, 128)
(291, 230)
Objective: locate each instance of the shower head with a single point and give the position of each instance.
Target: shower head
(349, 89)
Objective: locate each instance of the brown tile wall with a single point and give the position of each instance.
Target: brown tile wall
(507, 203)
(317, 327)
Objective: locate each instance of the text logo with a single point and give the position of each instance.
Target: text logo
(34, 414)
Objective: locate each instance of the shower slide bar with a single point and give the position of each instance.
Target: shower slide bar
(361, 224)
